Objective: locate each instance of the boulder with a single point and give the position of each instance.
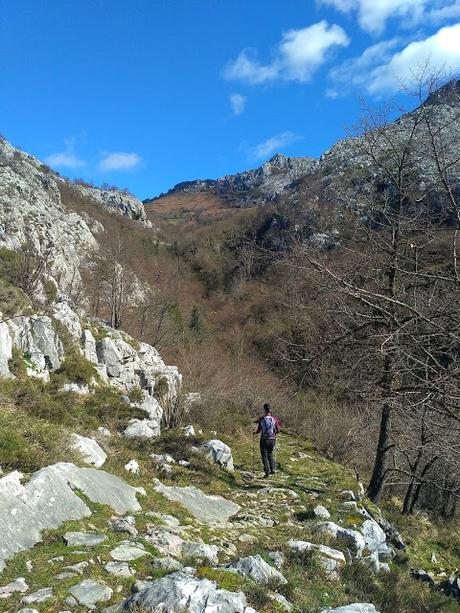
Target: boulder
(27, 510)
(255, 568)
(353, 537)
(207, 509)
(181, 591)
(374, 537)
(200, 551)
(90, 451)
(321, 512)
(219, 453)
(88, 592)
(141, 429)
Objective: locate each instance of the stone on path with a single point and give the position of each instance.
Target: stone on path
(89, 592)
(207, 509)
(89, 450)
(128, 551)
(39, 596)
(256, 569)
(18, 585)
(84, 539)
(120, 569)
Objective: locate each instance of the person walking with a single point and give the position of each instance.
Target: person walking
(268, 426)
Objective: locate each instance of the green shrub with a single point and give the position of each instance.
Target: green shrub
(50, 290)
(76, 369)
(17, 364)
(27, 444)
(225, 579)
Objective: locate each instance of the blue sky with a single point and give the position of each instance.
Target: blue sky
(146, 93)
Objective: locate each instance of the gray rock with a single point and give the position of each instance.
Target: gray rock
(27, 510)
(77, 568)
(128, 551)
(39, 596)
(220, 453)
(18, 585)
(256, 569)
(27, 610)
(88, 592)
(354, 538)
(357, 607)
(120, 569)
(208, 509)
(182, 592)
(140, 429)
(123, 524)
(75, 388)
(71, 602)
(85, 539)
(89, 450)
(374, 537)
(323, 550)
(278, 559)
(65, 575)
(167, 543)
(321, 512)
(167, 563)
(200, 551)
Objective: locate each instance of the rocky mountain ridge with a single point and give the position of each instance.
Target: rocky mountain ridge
(335, 176)
(260, 184)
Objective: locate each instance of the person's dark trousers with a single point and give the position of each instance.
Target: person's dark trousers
(267, 445)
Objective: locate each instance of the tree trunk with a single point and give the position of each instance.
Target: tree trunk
(378, 474)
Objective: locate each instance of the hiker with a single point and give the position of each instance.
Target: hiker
(268, 426)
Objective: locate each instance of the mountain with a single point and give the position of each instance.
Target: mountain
(339, 176)
(123, 483)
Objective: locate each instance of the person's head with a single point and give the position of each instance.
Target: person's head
(267, 409)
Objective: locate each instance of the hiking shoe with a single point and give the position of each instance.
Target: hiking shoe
(266, 476)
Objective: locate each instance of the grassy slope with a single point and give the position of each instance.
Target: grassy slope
(313, 478)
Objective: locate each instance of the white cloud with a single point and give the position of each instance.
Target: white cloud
(373, 14)
(297, 56)
(238, 103)
(442, 50)
(120, 161)
(381, 69)
(66, 158)
(354, 72)
(273, 144)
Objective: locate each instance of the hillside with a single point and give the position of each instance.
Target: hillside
(328, 288)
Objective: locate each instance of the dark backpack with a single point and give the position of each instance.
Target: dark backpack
(268, 426)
